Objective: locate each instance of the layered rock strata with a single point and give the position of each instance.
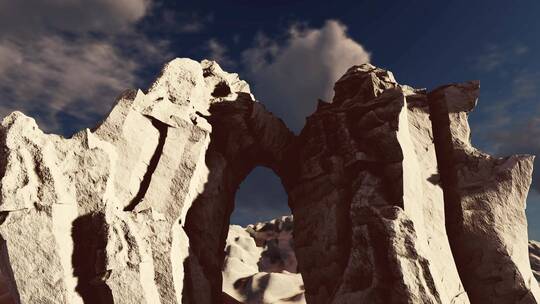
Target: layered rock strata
(391, 202)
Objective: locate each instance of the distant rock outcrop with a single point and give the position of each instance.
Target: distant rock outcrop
(391, 202)
(260, 265)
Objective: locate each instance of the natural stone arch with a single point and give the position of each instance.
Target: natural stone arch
(244, 137)
(362, 182)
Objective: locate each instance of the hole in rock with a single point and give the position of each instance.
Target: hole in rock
(260, 246)
(222, 89)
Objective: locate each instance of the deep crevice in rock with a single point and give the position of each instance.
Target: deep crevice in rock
(444, 150)
(154, 161)
(3, 216)
(89, 233)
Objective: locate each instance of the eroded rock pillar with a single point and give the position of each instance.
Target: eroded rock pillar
(485, 204)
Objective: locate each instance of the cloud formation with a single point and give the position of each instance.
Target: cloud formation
(50, 76)
(35, 17)
(496, 57)
(218, 52)
(289, 77)
(510, 122)
(64, 62)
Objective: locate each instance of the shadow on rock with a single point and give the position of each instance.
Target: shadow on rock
(88, 260)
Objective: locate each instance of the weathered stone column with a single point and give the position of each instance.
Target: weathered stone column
(485, 204)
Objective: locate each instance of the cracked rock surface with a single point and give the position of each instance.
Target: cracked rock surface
(391, 202)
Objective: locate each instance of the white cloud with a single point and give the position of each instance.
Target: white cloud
(526, 85)
(8, 57)
(188, 23)
(218, 52)
(518, 136)
(34, 17)
(67, 82)
(290, 77)
(521, 49)
(508, 124)
(495, 57)
(52, 74)
(492, 58)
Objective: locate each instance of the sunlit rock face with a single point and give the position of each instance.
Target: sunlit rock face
(265, 250)
(484, 203)
(391, 202)
(260, 264)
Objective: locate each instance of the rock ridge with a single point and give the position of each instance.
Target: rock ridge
(391, 202)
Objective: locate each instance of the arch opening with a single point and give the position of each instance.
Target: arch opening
(260, 198)
(259, 248)
(244, 137)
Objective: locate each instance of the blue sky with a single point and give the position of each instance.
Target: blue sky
(64, 62)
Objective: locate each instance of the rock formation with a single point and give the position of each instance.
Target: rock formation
(534, 251)
(260, 264)
(391, 202)
(246, 261)
(484, 204)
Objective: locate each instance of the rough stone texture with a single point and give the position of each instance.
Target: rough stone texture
(244, 136)
(366, 180)
(534, 251)
(260, 265)
(485, 204)
(391, 202)
(97, 218)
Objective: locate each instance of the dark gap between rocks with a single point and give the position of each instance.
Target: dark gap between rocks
(145, 183)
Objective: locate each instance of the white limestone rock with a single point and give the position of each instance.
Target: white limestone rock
(260, 264)
(98, 217)
(484, 202)
(389, 206)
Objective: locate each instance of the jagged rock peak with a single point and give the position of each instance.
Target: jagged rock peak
(391, 202)
(363, 82)
(76, 203)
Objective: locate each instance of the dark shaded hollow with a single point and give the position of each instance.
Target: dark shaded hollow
(5, 266)
(88, 260)
(154, 161)
(207, 233)
(234, 151)
(222, 89)
(462, 240)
